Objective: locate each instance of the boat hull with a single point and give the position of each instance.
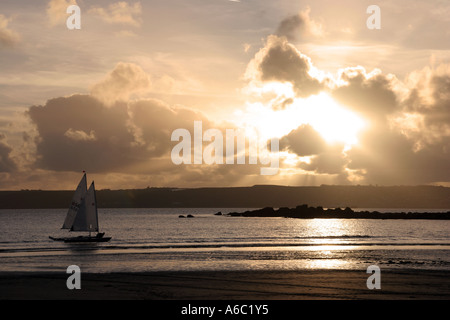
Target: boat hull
(82, 239)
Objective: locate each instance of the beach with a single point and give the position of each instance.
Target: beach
(229, 285)
(154, 255)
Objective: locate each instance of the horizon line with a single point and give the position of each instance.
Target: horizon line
(237, 187)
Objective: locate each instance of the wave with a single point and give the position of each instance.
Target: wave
(147, 248)
(22, 241)
(220, 240)
(338, 237)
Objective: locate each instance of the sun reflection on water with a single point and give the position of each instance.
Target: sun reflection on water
(327, 231)
(326, 235)
(326, 264)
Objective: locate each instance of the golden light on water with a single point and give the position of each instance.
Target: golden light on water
(327, 243)
(327, 264)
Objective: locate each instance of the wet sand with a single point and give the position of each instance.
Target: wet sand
(239, 285)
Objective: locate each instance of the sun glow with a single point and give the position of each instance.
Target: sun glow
(332, 121)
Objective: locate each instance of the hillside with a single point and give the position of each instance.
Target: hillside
(428, 197)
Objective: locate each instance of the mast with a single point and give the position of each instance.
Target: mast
(96, 208)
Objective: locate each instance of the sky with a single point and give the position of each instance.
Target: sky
(344, 103)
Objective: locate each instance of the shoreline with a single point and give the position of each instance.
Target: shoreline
(407, 284)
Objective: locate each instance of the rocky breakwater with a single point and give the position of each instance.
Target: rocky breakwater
(306, 212)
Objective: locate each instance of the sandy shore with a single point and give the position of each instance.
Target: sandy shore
(261, 285)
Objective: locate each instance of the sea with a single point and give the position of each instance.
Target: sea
(147, 240)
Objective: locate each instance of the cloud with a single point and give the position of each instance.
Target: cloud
(368, 94)
(303, 141)
(300, 25)
(120, 13)
(385, 156)
(331, 161)
(430, 96)
(407, 137)
(57, 11)
(323, 158)
(440, 111)
(79, 132)
(280, 61)
(60, 123)
(7, 164)
(412, 146)
(8, 37)
(113, 129)
(79, 135)
(120, 84)
(425, 114)
(154, 121)
(128, 138)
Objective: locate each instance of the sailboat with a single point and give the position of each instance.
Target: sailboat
(82, 215)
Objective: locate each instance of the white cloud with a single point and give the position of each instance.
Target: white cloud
(80, 135)
(126, 79)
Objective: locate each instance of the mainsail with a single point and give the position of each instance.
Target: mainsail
(87, 215)
(76, 202)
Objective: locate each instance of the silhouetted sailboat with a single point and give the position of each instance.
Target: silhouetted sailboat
(83, 215)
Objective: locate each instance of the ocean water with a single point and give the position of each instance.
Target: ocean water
(157, 240)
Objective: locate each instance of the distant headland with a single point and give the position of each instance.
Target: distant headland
(306, 212)
(259, 196)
